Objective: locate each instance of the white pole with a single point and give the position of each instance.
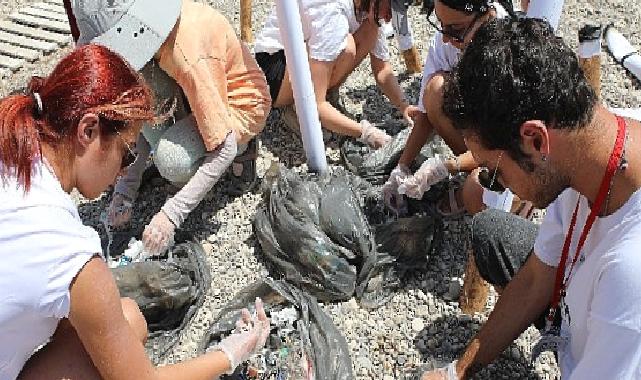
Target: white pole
(549, 10)
(291, 31)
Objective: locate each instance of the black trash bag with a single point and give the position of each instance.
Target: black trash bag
(376, 165)
(315, 234)
(312, 337)
(168, 292)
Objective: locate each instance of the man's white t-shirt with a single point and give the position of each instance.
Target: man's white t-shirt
(326, 24)
(604, 293)
(43, 246)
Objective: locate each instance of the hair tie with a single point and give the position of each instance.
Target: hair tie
(37, 102)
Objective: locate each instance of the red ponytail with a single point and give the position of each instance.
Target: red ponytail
(91, 79)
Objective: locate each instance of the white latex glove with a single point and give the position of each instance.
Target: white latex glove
(119, 210)
(158, 235)
(250, 336)
(372, 136)
(431, 172)
(445, 373)
(393, 200)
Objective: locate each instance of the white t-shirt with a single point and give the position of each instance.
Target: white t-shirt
(43, 246)
(443, 56)
(604, 293)
(326, 24)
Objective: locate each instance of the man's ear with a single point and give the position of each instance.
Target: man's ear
(88, 129)
(535, 139)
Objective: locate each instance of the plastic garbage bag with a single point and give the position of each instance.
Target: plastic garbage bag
(376, 165)
(168, 291)
(304, 343)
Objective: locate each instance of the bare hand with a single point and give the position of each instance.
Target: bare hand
(410, 113)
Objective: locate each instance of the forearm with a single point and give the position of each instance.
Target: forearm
(178, 207)
(462, 163)
(421, 132)
(388, 83)
(522, 301)
(206, 367)
(335, 121)
(129, 184)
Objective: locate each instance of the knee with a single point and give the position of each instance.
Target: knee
(134, 317)
(433, 96)
(473, 194)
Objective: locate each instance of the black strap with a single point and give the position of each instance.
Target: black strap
(627, 56)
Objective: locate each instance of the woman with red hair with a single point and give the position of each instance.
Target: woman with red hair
(60, 312)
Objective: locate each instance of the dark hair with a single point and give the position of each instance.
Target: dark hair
(367, 4)
(91, 79)
(511, 72)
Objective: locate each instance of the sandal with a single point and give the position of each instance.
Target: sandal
(243, 168)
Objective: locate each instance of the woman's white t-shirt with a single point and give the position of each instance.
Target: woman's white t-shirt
(43, 246)
(326, 24)
(604, 293)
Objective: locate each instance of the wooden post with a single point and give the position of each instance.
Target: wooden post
(590, 55)
(75, 32)
(246, 21)
(412, 60)
(475, 290)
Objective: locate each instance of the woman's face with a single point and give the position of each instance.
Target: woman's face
(458, 28)
(102, 159)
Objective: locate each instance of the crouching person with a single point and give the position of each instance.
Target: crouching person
(528, 114)
(77, 129)
(217, 96)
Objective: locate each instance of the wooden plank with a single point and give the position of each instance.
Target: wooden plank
(50, 7)
(27, 42)
(58, 26)
(54, 2)
(39, 34)
(33, 11)
(18, 52)
(11, 63)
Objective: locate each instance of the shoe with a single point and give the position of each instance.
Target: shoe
(243, 169)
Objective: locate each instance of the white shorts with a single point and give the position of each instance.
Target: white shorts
(499, 201)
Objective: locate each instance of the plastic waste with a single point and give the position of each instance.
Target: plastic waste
(304, 343)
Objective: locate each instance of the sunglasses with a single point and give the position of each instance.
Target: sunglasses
(129, 155)
(457, 35)
(490, 182)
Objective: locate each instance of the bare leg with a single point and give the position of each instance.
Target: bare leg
(65, 357)
(433, 102)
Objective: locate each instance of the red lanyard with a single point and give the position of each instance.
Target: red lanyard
(560, 284)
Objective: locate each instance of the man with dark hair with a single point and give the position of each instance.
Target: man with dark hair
(529, 116)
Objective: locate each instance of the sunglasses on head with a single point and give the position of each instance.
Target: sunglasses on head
(456, 35)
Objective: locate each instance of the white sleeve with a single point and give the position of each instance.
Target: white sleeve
(438, 59)
(327, 31)
(613, 344)
(68, 245)
(549, 242)
(381, 50)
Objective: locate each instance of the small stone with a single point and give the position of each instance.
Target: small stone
(418, 325)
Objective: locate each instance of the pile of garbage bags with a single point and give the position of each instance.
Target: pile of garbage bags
(169, 290)
(303, 343)
(314, 232)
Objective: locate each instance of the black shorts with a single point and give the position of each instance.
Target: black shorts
(274, 66)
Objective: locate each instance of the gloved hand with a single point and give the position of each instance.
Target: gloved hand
(158, 235)
(431, 172)
(372, 136)
(445, 373)
(393, 200)
(250, 336)
(119, 210)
